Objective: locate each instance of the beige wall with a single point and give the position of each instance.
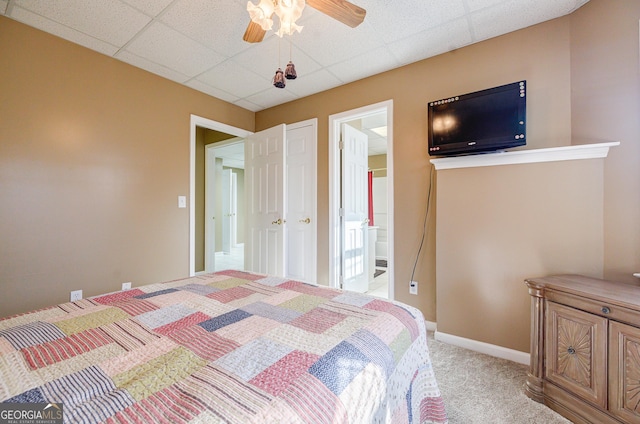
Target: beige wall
(499, 225)
(605, 82)
(539, 54)
(93, 156)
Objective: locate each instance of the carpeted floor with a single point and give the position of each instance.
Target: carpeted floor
(481, 389)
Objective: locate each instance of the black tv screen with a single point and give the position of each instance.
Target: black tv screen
(483, 121)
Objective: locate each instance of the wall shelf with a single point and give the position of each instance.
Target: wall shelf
(552, 154)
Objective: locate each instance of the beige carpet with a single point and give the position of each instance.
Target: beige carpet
(481, 389)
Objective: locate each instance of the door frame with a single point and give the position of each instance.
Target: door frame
(335, 122)
(199, 121)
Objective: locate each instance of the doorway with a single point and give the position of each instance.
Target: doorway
(301, 148)
(375, 121)
(195, 123)
(224, 205)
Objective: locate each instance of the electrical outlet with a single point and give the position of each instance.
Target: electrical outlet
(126, 286)
(75, 295)
(413, 287)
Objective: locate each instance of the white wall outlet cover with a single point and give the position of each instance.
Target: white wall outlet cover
(126, 286)
(75, 295)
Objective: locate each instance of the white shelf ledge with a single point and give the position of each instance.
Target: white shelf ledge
(552, 154)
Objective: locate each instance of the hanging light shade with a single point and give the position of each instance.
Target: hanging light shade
(290, 71)
(261, 14)
(289, 11)
(278, 79)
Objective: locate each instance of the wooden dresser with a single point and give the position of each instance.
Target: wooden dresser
(585, 348)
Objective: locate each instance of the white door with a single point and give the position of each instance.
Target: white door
(355, 222)
(225, 196)
(301, 228)
(264, 190)
(234, 209)
(209, 210)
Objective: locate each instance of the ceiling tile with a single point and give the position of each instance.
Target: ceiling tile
(114, 22)
(432, 42)
(395, 20)
(152, 67)
(512, 15)
(150, 7)
(307, 84)
(377, 61)
(342, 44)
(233, 78)
(243, 103)
(218, 25)
(62, 31)
(271, 97)
(212, 91)
(165, 46)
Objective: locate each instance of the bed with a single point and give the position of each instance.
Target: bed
(228, 347)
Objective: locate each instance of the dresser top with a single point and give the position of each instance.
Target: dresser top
(627, 295)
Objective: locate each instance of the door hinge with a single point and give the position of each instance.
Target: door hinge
(341, 212)
(341, 143)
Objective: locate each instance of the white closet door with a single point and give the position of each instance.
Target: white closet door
(265, 197)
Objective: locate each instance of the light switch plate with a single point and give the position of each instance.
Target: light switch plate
(182, 201)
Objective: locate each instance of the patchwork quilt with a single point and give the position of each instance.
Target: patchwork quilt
(229, 347)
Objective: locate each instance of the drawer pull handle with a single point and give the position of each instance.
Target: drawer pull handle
(605, 310)
(571, 350)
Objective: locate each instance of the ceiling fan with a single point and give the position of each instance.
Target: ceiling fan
(289, 10)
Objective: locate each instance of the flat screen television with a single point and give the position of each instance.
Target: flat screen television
(484, 121)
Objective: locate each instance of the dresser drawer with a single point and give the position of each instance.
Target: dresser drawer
(596, 307)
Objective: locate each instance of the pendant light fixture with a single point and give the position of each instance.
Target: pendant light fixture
(290, 70)
(278, 79)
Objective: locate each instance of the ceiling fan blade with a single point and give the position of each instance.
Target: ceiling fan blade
(344, 11)
(254, 33)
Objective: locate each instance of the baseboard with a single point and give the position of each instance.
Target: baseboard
(486, 348)
(431, 326)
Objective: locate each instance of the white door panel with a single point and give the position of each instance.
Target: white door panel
(226, 211)
(355, 258)
(264, 173)
(209, 211)
(301, 205)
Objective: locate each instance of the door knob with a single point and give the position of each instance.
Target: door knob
(278, 222)
(366, 221)
(305, 221)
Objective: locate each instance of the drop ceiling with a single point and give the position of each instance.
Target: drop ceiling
(199, 43)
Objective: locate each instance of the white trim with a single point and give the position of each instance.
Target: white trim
(335, 122)
(431, 326)
(198, 121)
(552, 154)
(486, 348)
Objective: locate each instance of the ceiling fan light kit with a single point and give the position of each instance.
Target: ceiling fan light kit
(261, 14)
(288, 12)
